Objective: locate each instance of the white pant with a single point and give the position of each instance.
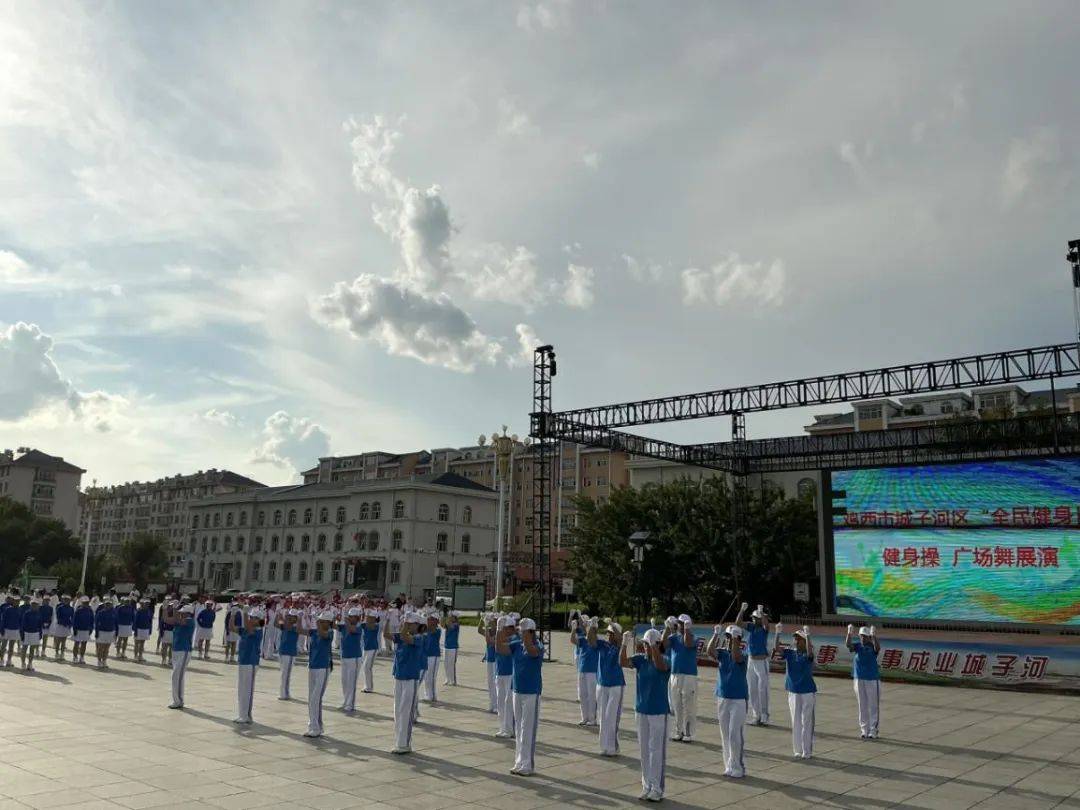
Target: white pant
(757, 680)
(369, 670)
(492, 685)
(652, 732)
(451, 667)
(350, 668)
(405, 694)
(285, 662)
(505, 705)
(731, 714)
(179, 669)
(586, 693)
(802, 722)
(526, 720)
(316, 688)
(245, 691)
(430, 674)
(609, 701)
(684, 705)
(868, 696)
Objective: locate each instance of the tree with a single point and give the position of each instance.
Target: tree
(69, 572)
(696, 562)
(144, 558)
(24, 534)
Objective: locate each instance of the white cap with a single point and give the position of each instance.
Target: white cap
(293, 612)
(670, 620)
(455, 613)
(355, 611)
(684, 618)
(652, 636)
(733, 630)
(256, 613)
(614, 627)
(799, 633)
(326, 616)
(526, 624)
(413, 618)
(864, 631)
(757, 614)
(187, 609)
(35, 600)
(209, 602)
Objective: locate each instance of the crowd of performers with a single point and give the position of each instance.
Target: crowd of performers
(283, 627)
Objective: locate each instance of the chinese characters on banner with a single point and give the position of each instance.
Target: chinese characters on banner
(981, 556)
(1015, 517)
(998, 666)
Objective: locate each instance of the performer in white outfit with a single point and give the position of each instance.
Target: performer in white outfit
(408, 652)
(370, 646)
(504, 671)
(250, 632)
(802, 691)
(652, 708)
(611, 685)
(451, 635)
(867, 678)
(756, 633)
(320, 651)
(731, 695)
(680, 645)
(288, 630)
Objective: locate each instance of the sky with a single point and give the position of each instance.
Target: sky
(246, 235)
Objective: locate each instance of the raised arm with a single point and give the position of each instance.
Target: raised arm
(659, 660)
(502, 641)
(627, 641)
(777, 644)
(591, 635)
(847, 638)
(873, 636)
(714, 642)
(742, 610)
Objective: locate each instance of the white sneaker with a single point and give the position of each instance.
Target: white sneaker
(176, 705)
(655, 796)
(643, 795)
(400, 750)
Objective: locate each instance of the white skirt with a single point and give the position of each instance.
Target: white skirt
(123, 631)
(166, 637)
(232, 638)
(31, 639)
(142, 634)
(204, 633)
(11, 635)
(82, 636)
(60, 631)
(105, 637)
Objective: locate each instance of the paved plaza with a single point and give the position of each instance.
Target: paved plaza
(77, 737)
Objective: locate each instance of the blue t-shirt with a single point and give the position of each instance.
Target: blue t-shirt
(83, 618)
(46, 612)
(451, 640)
(504, 664)
(757, 639)
(587, 658)
(247, 651)
(319, 649)
(105, 620)
(800, 678)
(205, 617)
(866, 663)
(431, 643)
(731, 680)
(65, 615)
(652, 686)
(407, 658)
(350, 641)
(681, 658)
(144, 619)
(371, 637)
(489, 654)
(609, 670)
(31, 621)
(12, 618)
(287, 641)
(527, 679)
(182, 635)
(125, 615)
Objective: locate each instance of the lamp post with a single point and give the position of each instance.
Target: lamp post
(640, 542)
(504, 449)
(86, 542)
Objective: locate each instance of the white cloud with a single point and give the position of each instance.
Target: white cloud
(849, 155)
(735, 281)
(222, 418)
(591, 158)
(543, 16)
(407, 323)
(493, 272)
(18, 275)
(1032, 167)
(578, 292)
(644, 271)
(29, 378)
(527, 343)
(513, 121)
(291, 442)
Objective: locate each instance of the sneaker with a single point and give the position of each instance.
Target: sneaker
(312, 734)
(400, 750)
(583, 722)
(643, 795)
(522, 773)
(676, 737)
(687, 738)
(655, 796)
(176, 705)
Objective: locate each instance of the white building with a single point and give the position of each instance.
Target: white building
(47, 484)
(414, 536)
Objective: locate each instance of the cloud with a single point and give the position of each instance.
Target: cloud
(591, 158)
(849, 155)
(219, 417)
(407, 323)
(291, 442)
(735, 281)
(644, 271)
(18, 275)
(543, 16)
(29, 377)
(527, 343)
(1032, 167)
(493, 272)
(513, 121)
(578, 292)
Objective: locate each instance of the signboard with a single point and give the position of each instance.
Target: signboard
(469, 596)
(188, 588)
(43, 583)
(988, 541)
(567, 586)
(802, 591)
(156, 587)
(124, 587)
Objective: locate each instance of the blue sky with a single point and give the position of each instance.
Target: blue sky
(245, 235)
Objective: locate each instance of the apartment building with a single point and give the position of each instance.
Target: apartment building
(47, 484)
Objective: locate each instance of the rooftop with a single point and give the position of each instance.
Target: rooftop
(38, 460)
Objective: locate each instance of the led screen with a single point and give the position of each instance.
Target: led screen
(994, 541)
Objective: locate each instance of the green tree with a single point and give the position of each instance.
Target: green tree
(68, 573)
(144, 558)
(24, 534)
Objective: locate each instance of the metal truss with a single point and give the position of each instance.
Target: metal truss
(543, 466)
(998, 368)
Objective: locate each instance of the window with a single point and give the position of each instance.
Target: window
(361, 541)
(335, 571)
(190, 569)
(229, 519)
(319, 569)
(365, 510)
(320, 544)
(341, 514)
(255, 566)
(872, 412)
(395, 540)
(441, 542)
(206, 521)
(239, 543)
(339, 540)
(202, 568)
(399, 509)
(444, 512)
(466, 515)
(373, 541)
(946, 407)
(395, 572)
(217, 519)
(466, 544)
(305, 543)
(324, 515)
(194, 520)
(243, 518)
(238, 569)
(227, 545)
(290, 544)
(258, 544)
(202, 545)
(307, 516)
(262, 518)
(191, 546)
(277, 517)
(376, 510)
(286, 571)
(292, 521)
(271, 571)
(274, 543)
(601, 482)
(301, 572)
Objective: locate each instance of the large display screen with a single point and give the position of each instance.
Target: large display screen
(993, 541)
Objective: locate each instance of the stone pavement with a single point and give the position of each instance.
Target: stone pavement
(77, 737)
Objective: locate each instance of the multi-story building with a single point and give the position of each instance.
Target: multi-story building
(113, 514)
(47, 484)
(412, 535)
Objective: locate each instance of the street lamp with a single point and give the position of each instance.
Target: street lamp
(640, 542)
(504, 452)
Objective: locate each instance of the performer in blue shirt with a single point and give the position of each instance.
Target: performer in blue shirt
(204, 627)
(756, 633)
(125, 624)
(351, 640)
(47, 613)
(504, 671)
(801, 689)
(83, 623)
(652, 708)
(182, 622)
(867, 677)
(610, 686)
(250, 632)
(288, 622)
(586, 662)
(30, 633)
(370, 646)
(487, 628)
(144, 624)
(234, 620)
(61, 627)
(10, 628)
(408, 652)
(104, 630)
(451, 628)
(165, 630)
(528, 656)
(320, 648)
(681, 648)
(432, 653)
(731, 694)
